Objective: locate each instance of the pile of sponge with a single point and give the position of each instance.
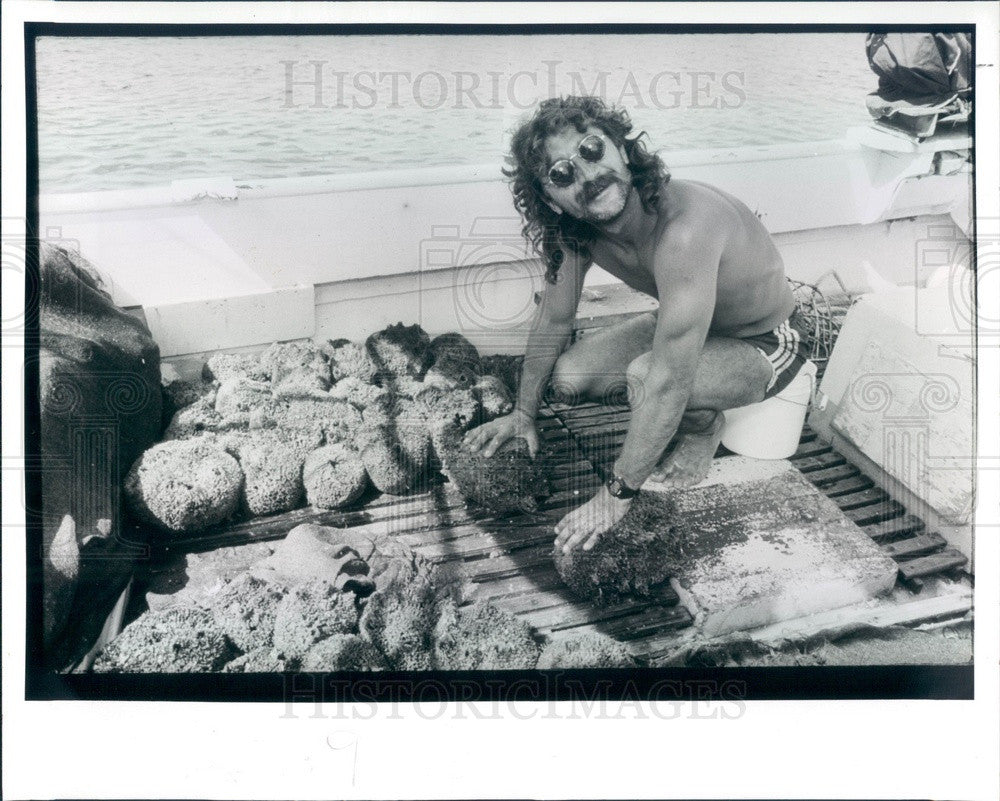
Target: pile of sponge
(329, 599)
(259, 626)
(322, 424)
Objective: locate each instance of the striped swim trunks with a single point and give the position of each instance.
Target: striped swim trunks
(785, 348)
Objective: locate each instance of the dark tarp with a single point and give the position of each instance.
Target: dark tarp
(100, 398)
(923, 79)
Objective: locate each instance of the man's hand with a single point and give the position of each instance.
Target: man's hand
(490, 436)
(583, 526)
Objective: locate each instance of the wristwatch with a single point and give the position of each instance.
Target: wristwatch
(616, 486)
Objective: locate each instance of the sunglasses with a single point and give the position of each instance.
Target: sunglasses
(563, 173)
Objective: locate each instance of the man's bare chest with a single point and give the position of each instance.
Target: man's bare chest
(629, 265)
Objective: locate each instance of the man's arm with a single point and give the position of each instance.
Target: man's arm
(551, 330)
(685, 270)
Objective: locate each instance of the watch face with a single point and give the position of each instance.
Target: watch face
(618, 488)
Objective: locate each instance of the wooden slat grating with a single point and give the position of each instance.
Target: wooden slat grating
(517, 572)
(599, 432)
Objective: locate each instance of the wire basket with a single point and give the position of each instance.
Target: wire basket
(824, 314)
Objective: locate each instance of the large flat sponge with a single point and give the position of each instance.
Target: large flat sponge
(763, 545)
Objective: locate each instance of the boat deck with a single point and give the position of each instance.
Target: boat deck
(509, 560)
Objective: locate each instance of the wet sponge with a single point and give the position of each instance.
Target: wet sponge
(342, 652)
(234, 366)
(336, 420)
(184, 485)
(506, 368)
(396, 446)
(245, 610)
(177, 640)
(400, 350)
(301, 383)
(349, 359)
(334, 476)
(482, 637)
(590, 650)
(357, 392)
(199, 418)
(272, 464)
(262, 660)
(507, 482)
(312, 612)
(631, 558)
(438, 407)
(455, 362)
(493, 396)
(399, 624)
(237, 400)
(283, 359)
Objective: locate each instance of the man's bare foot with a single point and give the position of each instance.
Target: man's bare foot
(689, 462)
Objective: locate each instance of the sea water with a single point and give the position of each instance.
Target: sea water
(124, 112)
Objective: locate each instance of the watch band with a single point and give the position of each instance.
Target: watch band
(618, 488)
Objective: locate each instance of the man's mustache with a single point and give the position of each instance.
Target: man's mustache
(592, 189)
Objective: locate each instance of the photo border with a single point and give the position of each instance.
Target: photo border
(767, 749)
(952, 682)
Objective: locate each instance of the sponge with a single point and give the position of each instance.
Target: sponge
(184, 485)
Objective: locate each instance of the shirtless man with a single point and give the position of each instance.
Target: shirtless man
(721, 338)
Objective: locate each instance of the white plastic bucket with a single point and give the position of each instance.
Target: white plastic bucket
(772, 428)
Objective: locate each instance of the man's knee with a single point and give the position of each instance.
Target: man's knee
(569, 383)
(638, 367)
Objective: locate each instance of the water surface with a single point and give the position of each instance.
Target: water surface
(124, 112)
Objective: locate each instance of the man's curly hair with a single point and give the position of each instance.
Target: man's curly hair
(548, 231)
